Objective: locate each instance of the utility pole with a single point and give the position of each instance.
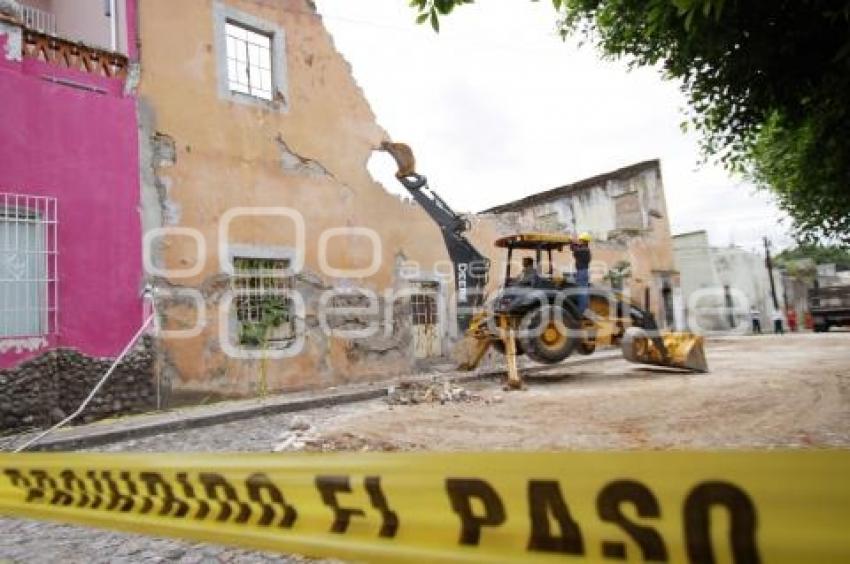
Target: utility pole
(769, 263)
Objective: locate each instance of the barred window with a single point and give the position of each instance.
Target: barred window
(249, 61)
(264, 311)
(28, 266)
(423, 306)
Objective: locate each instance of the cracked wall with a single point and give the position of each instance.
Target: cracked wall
(221, 154)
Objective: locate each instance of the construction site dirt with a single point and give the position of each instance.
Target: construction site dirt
(790, 391)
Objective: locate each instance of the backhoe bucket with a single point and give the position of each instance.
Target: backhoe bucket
(684, 350)
(403, 156)
(474, 345)
(469, 351)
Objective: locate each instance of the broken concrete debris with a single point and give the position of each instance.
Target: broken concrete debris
(434, 391)
(297, 436)
(301, 435)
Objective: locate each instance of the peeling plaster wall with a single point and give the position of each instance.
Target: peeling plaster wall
(311, 157)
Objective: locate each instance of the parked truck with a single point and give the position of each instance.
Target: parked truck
(830, 307)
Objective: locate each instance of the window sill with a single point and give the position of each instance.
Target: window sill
(249, 100)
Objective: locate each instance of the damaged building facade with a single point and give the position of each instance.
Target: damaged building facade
(625, 212)
(254, 143)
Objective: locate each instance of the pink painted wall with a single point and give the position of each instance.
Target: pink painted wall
(82, 148)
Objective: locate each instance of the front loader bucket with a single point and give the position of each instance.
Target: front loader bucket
(469, 351)
(684, 350)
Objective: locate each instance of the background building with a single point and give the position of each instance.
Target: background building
(721, 284)
(625, 212)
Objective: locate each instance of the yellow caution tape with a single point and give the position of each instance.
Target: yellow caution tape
(700, 507)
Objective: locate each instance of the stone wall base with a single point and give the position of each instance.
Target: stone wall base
(43, 391)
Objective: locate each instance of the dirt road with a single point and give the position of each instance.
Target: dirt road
(762, 392)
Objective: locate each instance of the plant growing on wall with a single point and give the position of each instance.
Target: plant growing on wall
(618, 274)
(273, 312)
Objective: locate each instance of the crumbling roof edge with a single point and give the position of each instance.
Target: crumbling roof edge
(555, 193)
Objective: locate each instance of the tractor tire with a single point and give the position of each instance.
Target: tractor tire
(553, 343)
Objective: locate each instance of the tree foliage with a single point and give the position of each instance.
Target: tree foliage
(768, 83)
(819, 254)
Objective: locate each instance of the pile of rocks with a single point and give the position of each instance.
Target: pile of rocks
(46, 389)
(434, 391)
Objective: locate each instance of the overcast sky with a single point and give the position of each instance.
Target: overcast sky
(497, 107)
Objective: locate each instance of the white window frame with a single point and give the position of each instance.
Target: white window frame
(37, 287)
(249, 52)
(278, 99)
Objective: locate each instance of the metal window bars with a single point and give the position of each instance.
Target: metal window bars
(29, 280)
(38, 20)
(261, 300)
(423, 307)
(249, 61)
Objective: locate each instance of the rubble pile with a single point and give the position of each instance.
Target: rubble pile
(435, 391)
(302, 436)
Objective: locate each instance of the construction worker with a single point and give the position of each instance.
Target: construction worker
(792, 319)
(581, 255)
(777, 322)
(755, 318)
(529, 273)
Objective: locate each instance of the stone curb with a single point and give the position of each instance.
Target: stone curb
(169, 422)
(93, 437)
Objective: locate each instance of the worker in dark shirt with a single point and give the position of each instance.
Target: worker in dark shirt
(529, 272)
(581, 254)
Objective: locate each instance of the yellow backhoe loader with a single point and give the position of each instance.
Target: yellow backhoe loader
(537, 314)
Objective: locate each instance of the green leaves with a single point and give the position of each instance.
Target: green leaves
(431, 10)
(819, 254)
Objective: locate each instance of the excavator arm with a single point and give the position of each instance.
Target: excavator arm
(471, 268)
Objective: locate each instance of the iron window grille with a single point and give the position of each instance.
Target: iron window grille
(249, 61)
(264, 311)
(423, 306)
(29, 285)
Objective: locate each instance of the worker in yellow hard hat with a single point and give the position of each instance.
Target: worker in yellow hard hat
(582, 257)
